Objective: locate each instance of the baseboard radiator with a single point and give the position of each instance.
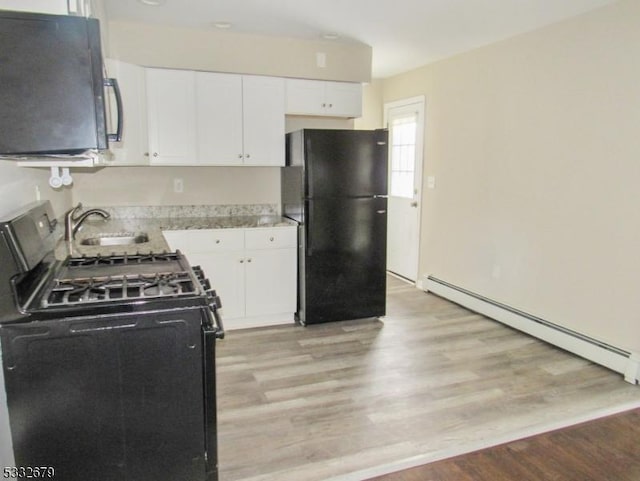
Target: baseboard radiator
(612, 357)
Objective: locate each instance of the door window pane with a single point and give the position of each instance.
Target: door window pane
(403, 155)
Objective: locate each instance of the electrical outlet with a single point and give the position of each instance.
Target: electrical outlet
(178, 186)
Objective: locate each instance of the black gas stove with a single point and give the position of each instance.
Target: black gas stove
(109, 361)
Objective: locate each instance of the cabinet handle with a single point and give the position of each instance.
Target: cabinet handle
(324, 105)
(217, 241)
(155, 154)
(248, 260)
(330, 105)
(241, 261)
(248, 156)
(146, 154)
(271, 239)
(239, 156)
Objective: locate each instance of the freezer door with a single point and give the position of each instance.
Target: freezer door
(344, 260)
(345, 163)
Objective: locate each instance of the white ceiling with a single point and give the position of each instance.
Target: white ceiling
(403, 34)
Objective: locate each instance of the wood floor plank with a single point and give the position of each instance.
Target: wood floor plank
(604, 449)
(323, 401)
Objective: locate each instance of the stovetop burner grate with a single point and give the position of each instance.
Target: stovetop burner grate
(67, 292)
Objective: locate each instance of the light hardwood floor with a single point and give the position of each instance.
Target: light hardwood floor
(356, 399)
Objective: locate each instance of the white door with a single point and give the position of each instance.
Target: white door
(405, 122)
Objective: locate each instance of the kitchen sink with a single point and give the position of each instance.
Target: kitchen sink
(116, 239)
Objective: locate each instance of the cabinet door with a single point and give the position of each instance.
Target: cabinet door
(171, 108)
(270, 281)
(226, 272)
(343, 99)
(263, 114)
(134, 147)
(55, 7)
(304, 97)
(220, 253)
(219, 118)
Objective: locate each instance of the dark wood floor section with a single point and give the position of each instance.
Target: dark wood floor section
(606, 449)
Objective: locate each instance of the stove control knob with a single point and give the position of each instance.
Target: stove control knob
(214, 299)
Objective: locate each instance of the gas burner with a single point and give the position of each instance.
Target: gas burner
(161, 287)
(124, 259)
(122, 287)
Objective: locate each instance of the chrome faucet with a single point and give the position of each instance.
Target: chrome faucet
(72, 222)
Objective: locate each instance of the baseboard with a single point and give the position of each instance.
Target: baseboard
(612, 357)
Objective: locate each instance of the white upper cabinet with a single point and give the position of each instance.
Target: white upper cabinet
(171, 116)
(203, 118)
(240, 119)
(134, 147)
(263, 116)
(325, 98)
(219, 118)
(55, 7)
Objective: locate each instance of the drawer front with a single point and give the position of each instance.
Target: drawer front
(276, 238)
(215, 240)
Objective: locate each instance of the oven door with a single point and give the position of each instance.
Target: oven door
(109, 398)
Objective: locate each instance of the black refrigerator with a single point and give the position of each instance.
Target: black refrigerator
(335, 186)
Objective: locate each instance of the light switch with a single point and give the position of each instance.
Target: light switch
(321, 59)
(431, 182)
(178, 186)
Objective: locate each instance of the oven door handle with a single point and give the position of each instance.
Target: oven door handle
(214, 305)
(218, 322)
(210, 334)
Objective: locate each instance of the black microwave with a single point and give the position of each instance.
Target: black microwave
(52, 88)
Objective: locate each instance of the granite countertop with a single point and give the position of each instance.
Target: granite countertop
(153, 226)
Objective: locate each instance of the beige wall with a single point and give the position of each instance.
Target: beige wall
(212, 50)
(535, 145)
(372, 106)
(19, 186)
(154, 186)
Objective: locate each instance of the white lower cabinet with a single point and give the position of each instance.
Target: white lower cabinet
(252, 270)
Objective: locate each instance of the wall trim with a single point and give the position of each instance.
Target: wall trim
(602, 353)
